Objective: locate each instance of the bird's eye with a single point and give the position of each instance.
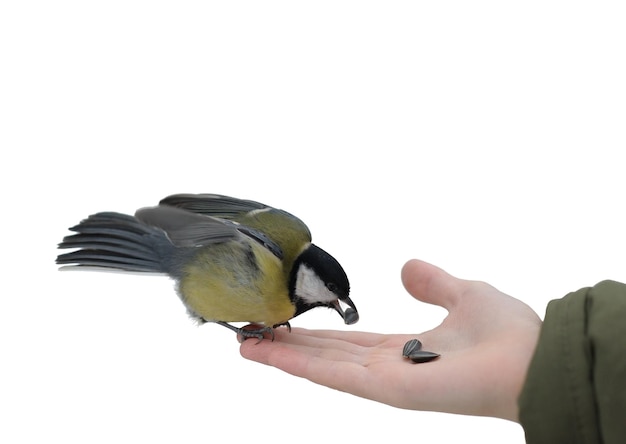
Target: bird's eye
(331, 287)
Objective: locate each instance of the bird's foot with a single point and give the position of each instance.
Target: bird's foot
(249, 331)
(254, 330)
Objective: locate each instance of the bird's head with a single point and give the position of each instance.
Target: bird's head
(318, 280)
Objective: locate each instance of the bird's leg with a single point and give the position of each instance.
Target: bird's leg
(258, 333)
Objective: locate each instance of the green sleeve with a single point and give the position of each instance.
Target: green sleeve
(575, 390)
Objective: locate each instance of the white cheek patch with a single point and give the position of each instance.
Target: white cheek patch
(311, 289)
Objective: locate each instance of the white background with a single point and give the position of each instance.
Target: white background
(483, 137)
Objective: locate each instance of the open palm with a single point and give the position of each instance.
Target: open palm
(486, 343)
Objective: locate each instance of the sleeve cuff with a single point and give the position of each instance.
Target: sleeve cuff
(557, 403)
(575, 389)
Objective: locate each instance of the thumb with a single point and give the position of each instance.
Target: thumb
(430, 284)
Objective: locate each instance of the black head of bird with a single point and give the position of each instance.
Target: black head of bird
(233, 260)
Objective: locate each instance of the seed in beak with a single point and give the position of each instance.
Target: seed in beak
(350, 316)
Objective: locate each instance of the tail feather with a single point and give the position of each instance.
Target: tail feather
(110, 243)
(97, 258)
(119, 241)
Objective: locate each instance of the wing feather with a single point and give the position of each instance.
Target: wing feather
(186, 229)
(215, 205)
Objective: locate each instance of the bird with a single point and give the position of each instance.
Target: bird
(232, 260)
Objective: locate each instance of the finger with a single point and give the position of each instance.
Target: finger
(379, 376)
(334, 368)
(303, 346)
(359, 338)
(303, 362)
(327, 344)
(431, 284)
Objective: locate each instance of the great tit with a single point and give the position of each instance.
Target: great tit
(233, 260)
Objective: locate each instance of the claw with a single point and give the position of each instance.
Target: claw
(286, 324)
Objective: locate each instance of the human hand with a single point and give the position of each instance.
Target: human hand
(486, 343)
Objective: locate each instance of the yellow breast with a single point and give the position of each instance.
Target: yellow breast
(237, 282)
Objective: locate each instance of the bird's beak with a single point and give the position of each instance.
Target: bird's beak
(349, 315)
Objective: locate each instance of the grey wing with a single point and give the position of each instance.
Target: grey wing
(213, 204)
(185, 229)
